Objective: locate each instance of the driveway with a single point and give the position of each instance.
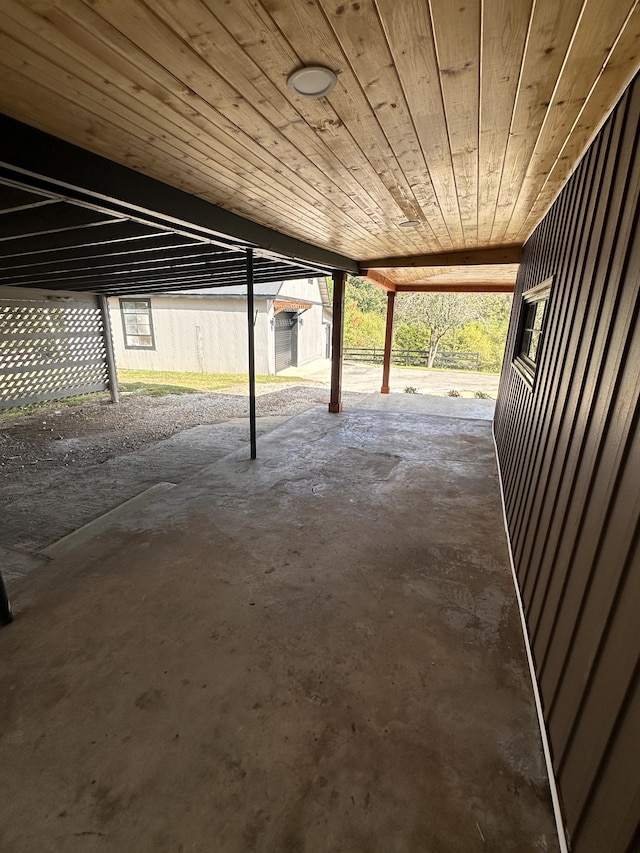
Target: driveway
(368, 378)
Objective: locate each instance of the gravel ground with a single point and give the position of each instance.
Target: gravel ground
(93, 431)
(64, 465)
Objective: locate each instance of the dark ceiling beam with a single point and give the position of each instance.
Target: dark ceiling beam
(42, 202)
(56, 216)
(12, 197)
(50, 164)
(121, 264)
(123, 248)
(467, 257)
(82, 236)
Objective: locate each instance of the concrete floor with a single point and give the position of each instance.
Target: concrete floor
(317, 651)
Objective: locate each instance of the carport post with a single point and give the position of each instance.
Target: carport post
(335, 400)
(108, 343)
(388, 342)
(252, 354)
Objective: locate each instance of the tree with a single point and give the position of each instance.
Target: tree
(413, 336)
(362, 329)
(487, 334)
(439, 313)
(369, 298)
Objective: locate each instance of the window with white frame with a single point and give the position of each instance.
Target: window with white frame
(137, 324)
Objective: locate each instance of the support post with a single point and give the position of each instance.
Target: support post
(6, 616)
(388, 342)
(108, 343)
(252, 355)
(339, 282)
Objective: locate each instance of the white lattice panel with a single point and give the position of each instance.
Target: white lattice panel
(50, 348)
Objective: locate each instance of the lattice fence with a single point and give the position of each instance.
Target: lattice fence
(50, 347)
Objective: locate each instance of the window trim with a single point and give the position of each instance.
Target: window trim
(125, 334)
(524, 365)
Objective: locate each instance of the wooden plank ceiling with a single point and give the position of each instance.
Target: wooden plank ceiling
(466, 118)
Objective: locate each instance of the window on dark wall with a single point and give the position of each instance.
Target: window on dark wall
(534, 306)
(137, 323)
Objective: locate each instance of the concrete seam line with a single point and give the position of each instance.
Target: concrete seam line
(555, 797)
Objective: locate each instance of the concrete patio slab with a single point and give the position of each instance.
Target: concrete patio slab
(429, 404)
(316, 651)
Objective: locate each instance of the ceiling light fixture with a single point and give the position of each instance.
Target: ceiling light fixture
(409, 223)
(313, 81)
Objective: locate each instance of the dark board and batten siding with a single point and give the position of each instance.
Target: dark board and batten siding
(569, 452)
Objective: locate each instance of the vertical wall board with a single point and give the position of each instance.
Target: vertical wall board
(608, 457)
(582, 412)
(569, 450)
(610, 821)
(564, 311)
(614, 648)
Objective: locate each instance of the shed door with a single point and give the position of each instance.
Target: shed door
(284, 327)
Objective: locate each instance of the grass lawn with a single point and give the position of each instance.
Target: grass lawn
(156, 382)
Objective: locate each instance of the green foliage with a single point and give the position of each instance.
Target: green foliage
(410, 389)
(440, 313)
(463, 322)
(362, 329)
(468, 323)
(487, 334)
(368, 297)
(411, 336)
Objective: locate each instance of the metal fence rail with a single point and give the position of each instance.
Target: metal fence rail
(414, 357)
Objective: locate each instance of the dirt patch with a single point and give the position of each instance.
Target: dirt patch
(64, 465)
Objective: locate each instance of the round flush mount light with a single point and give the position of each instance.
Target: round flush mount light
(409, 223)
(313, 81)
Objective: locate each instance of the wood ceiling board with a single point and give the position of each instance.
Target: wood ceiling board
(377, 277)
(269, 50)
(410, 37)
(202, 30)
(456, 30)
(457, 287)
(617, 73)
(501, 255)
(248, 136)
(504, 32)
(588, 53)
(362, 39)
(551, 29)
(102, 123)
(467, 121)
(305, 27)
(485, 275)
